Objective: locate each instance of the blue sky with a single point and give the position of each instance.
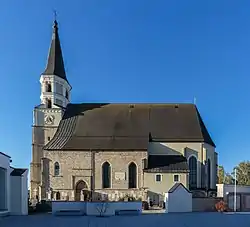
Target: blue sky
(131, 51)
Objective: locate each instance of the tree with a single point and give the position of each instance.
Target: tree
(224, 178)
(228, 179)
(243, 173)
(221, 174)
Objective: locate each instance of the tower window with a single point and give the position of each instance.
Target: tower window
(48, 138)
(48, 87)
(66, 95)
(49, 103)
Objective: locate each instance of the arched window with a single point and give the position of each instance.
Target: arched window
(56, 169)
(66, 95)
(48, 87)
(132, 175)
(49, 105)
(208, 174)
(192, 163)
(106, 175)
(58, 196)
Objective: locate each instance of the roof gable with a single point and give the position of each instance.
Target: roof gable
(176, 186)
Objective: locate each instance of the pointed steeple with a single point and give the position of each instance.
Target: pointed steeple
(55, 64)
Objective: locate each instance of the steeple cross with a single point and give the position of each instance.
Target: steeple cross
(55, 15)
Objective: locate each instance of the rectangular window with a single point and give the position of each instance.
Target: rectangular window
(48, 138)
(158, 177)
(176, 178)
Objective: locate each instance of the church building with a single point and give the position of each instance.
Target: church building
(91, 151)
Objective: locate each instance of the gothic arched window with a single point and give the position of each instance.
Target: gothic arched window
(56, 169)
(106, 175)
(208, 174)
(132, 175)
(48, 87)
(192, 163)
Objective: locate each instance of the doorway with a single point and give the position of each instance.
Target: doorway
(81, 186)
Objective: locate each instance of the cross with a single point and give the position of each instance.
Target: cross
(55, 14)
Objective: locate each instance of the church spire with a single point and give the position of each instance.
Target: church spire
(55, 64)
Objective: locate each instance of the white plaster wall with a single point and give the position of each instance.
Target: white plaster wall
(179, 201)
(186, 149)
(5, 163)
(202, 152)
(19, 194)
(53, 79)
(24, 193)
(15, 191)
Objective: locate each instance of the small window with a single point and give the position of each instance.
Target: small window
(49, 105)
(48, 138)
(48, 87)
(67, 94)
(158, 177)
(56, 169)
(176, 178)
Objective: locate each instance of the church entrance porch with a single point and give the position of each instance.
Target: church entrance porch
(81, 191)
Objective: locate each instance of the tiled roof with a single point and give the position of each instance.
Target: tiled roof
(127, 126)
(167, 163)
(55, 64)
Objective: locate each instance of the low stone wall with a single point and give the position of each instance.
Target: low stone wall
(95, 208)
(205, 204)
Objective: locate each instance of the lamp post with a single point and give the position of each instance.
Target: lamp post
(235, 178)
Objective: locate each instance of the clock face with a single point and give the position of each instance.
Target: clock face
(49, 119)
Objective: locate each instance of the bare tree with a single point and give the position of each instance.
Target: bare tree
(101, 208)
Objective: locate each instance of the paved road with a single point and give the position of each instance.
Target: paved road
(146, 220)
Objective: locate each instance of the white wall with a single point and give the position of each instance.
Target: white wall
(179, 201)
(24, 193)
(15, 182)
(19, 194)
(5, 164)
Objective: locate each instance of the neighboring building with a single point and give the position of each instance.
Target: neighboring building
(83, 150)
(13, 188)
(227, 192)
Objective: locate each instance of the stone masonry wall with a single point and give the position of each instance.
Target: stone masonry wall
(76, 166)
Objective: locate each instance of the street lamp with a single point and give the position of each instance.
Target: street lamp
(235, 179)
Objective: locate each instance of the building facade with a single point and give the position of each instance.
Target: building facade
(94, 150)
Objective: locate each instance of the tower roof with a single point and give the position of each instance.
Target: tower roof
(55, 64)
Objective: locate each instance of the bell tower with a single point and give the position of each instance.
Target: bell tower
(55, 88)
(54, 97)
